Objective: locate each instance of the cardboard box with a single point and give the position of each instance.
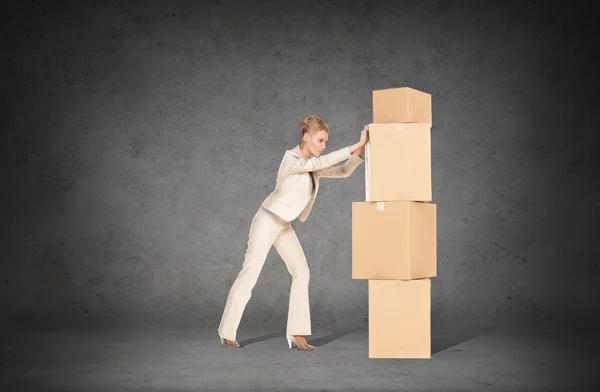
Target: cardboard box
(398, 162)
(400, 318)
(394, 240)
(401, 105)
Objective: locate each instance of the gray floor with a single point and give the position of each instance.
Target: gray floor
(191, 359)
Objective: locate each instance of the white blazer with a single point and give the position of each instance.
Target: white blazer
(291, 197)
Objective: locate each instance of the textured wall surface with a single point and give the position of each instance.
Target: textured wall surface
(138, 141)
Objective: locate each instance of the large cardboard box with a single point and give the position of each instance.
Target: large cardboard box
(401, 105)
(398, 162)
(400, 318)
(394, 240)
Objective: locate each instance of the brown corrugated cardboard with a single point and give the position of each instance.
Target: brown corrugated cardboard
(401, 105)
(394, 240)
(398, 162)
(400, 318)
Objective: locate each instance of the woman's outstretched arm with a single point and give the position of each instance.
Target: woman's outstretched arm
(294, 164)
(344, 170)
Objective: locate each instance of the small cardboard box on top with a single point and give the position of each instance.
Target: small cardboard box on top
(394, 240)
(400, 318)
(398, 162)
(401, 105)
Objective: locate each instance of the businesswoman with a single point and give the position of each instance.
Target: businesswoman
(294, 194)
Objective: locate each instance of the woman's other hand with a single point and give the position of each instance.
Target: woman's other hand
(364, 136)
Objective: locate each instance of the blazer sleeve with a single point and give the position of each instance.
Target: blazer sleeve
(344, 170)
(294, 164)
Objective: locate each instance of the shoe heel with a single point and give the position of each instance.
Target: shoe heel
(301, 347)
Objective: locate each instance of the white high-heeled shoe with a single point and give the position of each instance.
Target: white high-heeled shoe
(229, 343)
(302, 347)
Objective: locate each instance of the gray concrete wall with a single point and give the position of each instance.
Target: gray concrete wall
(138, 141)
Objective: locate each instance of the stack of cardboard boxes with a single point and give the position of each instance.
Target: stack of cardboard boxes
(394, 229)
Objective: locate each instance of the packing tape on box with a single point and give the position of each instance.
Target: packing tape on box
(380, 206)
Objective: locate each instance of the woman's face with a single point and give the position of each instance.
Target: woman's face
(316, 142)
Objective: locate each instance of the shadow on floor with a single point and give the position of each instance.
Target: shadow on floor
(323, 340)
(444, 339)
(257, 339)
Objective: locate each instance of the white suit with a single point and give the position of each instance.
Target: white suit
(271, 226)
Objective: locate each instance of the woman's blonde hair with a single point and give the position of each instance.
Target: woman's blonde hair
(311, 125)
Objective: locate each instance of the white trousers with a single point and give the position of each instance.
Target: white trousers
(266, 230)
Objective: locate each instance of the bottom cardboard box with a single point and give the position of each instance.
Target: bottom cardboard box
(400, 318)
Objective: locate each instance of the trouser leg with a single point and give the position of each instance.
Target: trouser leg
(291, 252)
(263, 232)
